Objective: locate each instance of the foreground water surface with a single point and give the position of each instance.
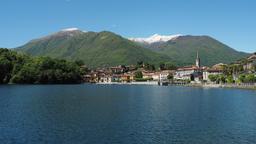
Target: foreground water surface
(110, 114)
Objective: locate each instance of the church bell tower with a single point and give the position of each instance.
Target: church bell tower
(198, 60)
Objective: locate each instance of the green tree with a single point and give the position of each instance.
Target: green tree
(250, 78)
(10, 62)
(242, 78)
(221, 78)
(162, 66)
(79, 62)
(170, 77)
(19, 68)
(213, 78)
(167, 66)
(230, 79)
(170, 66)
(149, 67)
(138, 75)
(233, 69)
(140, 64)
(5, 70)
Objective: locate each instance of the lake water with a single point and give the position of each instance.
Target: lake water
(109, 114)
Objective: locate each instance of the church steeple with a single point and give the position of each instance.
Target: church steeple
(197, 60)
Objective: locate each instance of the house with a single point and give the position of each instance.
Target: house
(97, 75)
(87, 78)
(163, 76)
(197, 77)
(250, 65)
(187, 73)
(127, 77)
(105, 79)
(116, 78)
(156, 76)
(94, 77)
(119, 69)
(211, 71)
(148, 75)
(192, 73)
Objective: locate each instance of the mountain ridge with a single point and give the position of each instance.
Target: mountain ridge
(211, 50)
(96, 49)
(101, 49)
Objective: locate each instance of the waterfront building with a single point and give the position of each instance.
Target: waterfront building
(105, 79)
(116, 78)
(186, 73)
(119, 69)
(127, 77)
(250, 65)
(211, 71)
(87, 78)
(156, 76)
(163, 76)
(191, 73)
(150, 75)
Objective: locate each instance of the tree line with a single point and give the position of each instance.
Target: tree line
(160, 66)
(23, 69)
(242, 78)
(237, 70)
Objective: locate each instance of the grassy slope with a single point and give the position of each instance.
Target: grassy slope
(95, 49)
(211, 51)
(108, 49)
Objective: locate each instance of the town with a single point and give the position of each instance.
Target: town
(240, 72)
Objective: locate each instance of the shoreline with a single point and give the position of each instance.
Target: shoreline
(130, 83)
(155, 83)
(230, 86)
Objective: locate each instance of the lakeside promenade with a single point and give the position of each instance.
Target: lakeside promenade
(203, 85)
(235, 86)
(131, 83)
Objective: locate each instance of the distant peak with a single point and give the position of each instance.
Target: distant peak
(69, 32)
(156, 38)
(70, 29)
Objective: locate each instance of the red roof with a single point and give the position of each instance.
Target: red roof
(189, 68)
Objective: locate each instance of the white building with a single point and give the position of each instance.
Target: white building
(156, 77)
(163, 76)
(105, 79)
(185, 73)
(193, 73)
(208, 72)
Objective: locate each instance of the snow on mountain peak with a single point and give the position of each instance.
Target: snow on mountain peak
(155, 38)
(70, 29)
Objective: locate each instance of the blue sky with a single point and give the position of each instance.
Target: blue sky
(233, 22)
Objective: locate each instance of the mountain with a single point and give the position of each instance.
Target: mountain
(102, 49)
(95, 49)
(184, 48)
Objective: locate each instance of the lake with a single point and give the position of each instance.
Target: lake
(128, 114)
